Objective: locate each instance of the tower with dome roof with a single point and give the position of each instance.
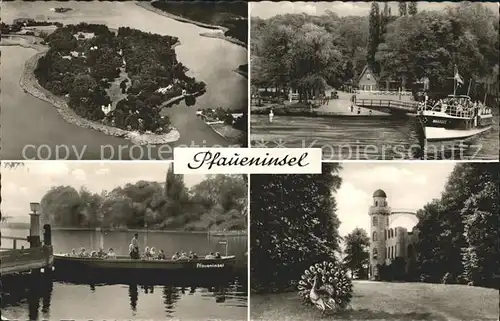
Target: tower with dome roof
(388, 242)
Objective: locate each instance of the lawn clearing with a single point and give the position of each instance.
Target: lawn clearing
(388, 301)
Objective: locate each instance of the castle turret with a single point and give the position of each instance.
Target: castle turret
(379, 221)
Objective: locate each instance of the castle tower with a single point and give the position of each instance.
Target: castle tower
(379, 221)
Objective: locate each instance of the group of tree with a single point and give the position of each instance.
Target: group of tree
(148, 59)
(429, 44)
(294, 224)
(229, 14)
(218, 203)
(307, 53)
(460, 231)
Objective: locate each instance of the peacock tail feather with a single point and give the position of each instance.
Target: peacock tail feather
(332, 278)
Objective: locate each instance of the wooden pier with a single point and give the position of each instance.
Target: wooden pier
(391, 106)
(39, 255)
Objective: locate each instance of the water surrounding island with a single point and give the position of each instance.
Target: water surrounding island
(30, 121)
(364, 138)
(56, 300)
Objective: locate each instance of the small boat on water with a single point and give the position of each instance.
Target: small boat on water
(454, 119)
(125, 263)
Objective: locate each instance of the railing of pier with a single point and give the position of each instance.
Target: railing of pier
(14, 240)
(387, 103)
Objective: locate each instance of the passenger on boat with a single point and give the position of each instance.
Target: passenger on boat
(101, 253)
(134, 248)
(183, 256)
(194, 257)
(218, 256)
(93, 254)
(147, 253)
(73, 253)
(210, 256)
(175, 257)
(153, 253)
(111, 254)
(161, 255)
(83, 252)
(132, 251)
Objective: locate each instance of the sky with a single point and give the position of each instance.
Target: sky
(267, 9)
(23, 185)
(408, 185)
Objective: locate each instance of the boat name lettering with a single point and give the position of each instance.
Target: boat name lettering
(204, 266)
(439, 121)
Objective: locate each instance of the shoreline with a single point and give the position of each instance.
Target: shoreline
(316, 114)
(231, 140)
(148, 6)
(29, 84)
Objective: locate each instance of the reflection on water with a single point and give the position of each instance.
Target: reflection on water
(43, 299)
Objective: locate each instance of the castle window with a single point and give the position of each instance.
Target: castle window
(395, 232)
(391, 233)
(374, 221)
(374, 237)
(385, 234)
(395, 250)
(376, 203)
(374, 254)
(368, 76)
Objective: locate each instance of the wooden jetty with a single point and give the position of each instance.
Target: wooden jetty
(39, 255)
(388, 105)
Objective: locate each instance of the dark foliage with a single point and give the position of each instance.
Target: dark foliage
(294, 224)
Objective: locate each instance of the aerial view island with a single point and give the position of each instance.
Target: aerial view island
(128, 78)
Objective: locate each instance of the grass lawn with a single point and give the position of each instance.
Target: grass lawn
(115, 92)
(388, 301)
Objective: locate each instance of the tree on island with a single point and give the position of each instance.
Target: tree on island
(459, 233)
(218, 203)
(83, 69)
(429, 44)
(294, 224)
(356, 252)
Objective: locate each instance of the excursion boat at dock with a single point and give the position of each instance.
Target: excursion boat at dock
(125, 263)
(454, 119)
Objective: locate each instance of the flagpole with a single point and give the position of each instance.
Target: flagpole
(468, 89)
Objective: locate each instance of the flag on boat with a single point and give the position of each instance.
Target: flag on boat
(457, 77)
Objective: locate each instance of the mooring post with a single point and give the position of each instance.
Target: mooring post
(34, 237)
(47, 235)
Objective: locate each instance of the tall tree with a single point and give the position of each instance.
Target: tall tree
(356, 252)
(461, 220)
(402, 8)
(374, 35)
(412, 8)
(294, 224)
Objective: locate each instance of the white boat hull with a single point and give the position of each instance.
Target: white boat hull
(440, 134)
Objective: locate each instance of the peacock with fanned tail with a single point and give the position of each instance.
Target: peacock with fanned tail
(326, 286)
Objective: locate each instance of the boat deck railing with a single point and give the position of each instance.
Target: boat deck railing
(456, 110)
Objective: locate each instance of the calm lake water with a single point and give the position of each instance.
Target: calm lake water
(55, 300)
(365, 138)
(29, 121)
